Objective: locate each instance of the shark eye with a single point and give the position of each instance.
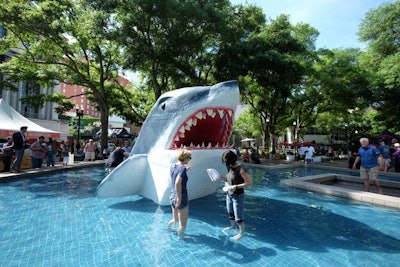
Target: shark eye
(162, 102)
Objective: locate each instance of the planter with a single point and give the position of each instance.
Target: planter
(290, 157)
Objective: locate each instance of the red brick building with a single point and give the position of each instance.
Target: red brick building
(78, 96)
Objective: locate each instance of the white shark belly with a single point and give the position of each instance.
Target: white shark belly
(158, 185)
(200, 184)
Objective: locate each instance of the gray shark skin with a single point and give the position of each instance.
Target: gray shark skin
(199, 119)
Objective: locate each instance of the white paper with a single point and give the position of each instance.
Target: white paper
(214, 174)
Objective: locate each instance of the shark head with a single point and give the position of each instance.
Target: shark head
(195, 118)
(199, 119)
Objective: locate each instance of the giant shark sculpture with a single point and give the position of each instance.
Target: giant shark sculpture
(199, 119)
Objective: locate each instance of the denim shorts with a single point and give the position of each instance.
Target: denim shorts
(235, 206)
(184, 203)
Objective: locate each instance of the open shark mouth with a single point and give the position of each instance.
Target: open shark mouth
(207, 128)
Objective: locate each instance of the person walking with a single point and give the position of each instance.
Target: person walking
(127, 148)
(90, 151)
(369, 156)
(309, 152)
(8, 151)
(106, 152)
(39, 149)
(302, 153)
(19, 140)
(385, 152)
(237, 179)
(66, 149)
(179, 196)
(396, 157)
(52, 149)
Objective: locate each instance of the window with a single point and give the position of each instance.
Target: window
(30, 89)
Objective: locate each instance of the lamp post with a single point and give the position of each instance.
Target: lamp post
(79, 114)
(296, 126)
(266, 141)
(294, 132)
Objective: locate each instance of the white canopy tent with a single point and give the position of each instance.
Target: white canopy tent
(11, 122)
(247, 142)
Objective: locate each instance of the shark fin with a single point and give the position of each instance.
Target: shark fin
(127, 179)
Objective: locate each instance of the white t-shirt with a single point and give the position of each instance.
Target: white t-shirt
(302, 150)
(310, 152)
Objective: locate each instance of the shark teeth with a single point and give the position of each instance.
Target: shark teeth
(221, 113)
(211, 113)
(200, 115)
(208, 128)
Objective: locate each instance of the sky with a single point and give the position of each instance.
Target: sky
(336, 20)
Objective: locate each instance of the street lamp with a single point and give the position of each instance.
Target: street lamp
(267, 136)
(294, 131)
(79, 114)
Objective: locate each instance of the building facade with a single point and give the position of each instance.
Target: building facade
(78, 95)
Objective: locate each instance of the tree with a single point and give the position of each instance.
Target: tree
(63, 41)
(268, 65)
(380, 29)
(247, 125)
(337, 82)
(172, 41)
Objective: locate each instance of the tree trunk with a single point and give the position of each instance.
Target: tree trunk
(104, 128)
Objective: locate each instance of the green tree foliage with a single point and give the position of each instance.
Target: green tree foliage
(380, 29)
(268, 65)
(171, 42)
(176, 43)
(339, 84)
(247, 125)
(141, 100)
(63, 41)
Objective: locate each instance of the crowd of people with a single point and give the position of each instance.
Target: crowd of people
(48, 152)
(44, 152)
(389, 152)
(41, 151)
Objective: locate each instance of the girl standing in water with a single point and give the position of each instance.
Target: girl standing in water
(237, 179)
(179, 197)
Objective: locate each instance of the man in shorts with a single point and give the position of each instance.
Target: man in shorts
(90, 151)
(369, 156)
